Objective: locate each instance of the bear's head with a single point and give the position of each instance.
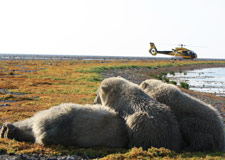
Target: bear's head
(110, 90)
(150, 85)
(122, 95)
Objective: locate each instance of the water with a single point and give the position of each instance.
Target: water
(6, 91)
(209, 80)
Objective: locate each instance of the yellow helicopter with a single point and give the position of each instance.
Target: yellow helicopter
(178, 51)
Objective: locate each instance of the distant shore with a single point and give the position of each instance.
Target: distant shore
(87, 57)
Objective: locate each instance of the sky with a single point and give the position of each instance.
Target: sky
(111, 27)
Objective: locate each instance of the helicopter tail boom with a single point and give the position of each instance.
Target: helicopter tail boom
(153, 49)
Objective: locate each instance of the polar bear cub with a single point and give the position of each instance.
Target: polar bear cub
(200, 124)
(71, 124)
(149, 122)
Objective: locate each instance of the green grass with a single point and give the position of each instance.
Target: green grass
(101, 69)
(162, 153)
(172, 73)
(173, 82)
(184, 85)
(11, 73)
(95, 78)
(161, 77)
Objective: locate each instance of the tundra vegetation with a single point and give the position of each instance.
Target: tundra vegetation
(28, 86)
(163, 77)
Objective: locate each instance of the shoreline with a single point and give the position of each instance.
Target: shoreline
(138, 75)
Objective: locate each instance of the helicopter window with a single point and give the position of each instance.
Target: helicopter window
(185, 52)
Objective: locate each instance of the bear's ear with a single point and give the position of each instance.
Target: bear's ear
(144, 85)
(97, 100)
(104, 88)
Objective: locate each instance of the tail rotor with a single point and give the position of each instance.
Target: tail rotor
(153, 49)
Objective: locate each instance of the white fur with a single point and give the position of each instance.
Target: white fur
(201, 125)
(78, 125)
(149, 123)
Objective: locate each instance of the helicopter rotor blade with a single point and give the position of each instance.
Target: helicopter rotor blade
(196, 46)
(175, 44)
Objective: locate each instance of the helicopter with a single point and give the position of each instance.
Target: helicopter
(178, 51)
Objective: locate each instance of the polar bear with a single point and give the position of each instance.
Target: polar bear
(71, 124)
(149, 123)
(200, 124)
(20, 131)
